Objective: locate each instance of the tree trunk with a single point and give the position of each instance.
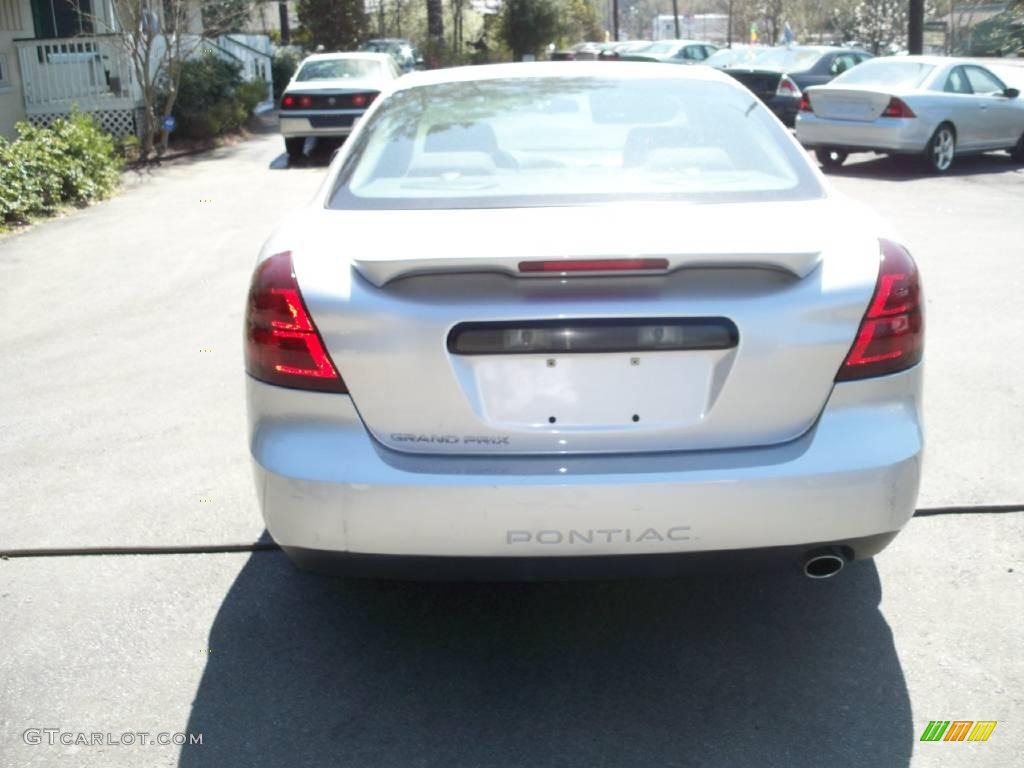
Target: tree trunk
(435, 29)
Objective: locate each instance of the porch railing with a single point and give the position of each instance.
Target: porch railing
(90, 73)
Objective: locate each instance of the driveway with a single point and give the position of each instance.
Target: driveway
(123, 427)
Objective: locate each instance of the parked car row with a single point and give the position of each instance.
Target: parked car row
(840, 100)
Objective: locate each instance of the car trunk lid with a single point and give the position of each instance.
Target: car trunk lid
(736, 344)
(855, 104)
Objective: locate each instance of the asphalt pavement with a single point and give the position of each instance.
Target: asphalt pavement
(123, 425)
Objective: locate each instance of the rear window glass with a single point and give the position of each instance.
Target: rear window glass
(887, 72)
(786, 59)
(549, 141)
(334, 69)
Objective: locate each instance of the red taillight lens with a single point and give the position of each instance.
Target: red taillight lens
(891, 335)
(805, 103)
(363, 99)
(898, 108)
(305, 102)
(593, 265)
(288, 102)
(788, 88)
(282, 346)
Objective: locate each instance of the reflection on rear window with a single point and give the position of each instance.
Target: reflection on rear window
(886, 72)
(549, 141)
(332, 69)
(786, 59)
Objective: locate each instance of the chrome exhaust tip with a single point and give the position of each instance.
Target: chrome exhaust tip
(823, 563)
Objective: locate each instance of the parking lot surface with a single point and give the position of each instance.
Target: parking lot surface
(123, 426)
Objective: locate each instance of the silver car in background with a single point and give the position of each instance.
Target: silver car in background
(933, 107)
(329, 93)
(542, 321)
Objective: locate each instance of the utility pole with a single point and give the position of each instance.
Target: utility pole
(915, 27)
(282, 11)
(728, 28)
(615, 20)
(675, 16)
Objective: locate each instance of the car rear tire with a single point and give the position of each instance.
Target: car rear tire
(940, 151)
(1017, 153)
(294, 147)
(831, 159)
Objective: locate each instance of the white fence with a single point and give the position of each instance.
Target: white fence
(88, 73)
(94, 74)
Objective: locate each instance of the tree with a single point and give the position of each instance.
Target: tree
(435, 31)
(773, 12)
(881, 25)
(337, 25)
(527, 26)
(159, 36)
(1001, 35)
(582, 22)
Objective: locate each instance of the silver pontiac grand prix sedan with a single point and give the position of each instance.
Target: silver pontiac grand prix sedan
(930, 106)
(545, 322)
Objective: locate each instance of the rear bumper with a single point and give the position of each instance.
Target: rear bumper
(881, 135)
(786, 108)
(437, 568)
(295, 127)
(325, 485)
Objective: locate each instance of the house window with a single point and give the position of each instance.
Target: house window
(5, 82)
(62, 18)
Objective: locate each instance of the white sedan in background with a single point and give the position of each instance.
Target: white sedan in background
(330, 92)
(934, 107)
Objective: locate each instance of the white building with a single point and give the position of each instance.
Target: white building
(710, 27)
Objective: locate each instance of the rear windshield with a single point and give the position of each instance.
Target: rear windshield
(786, 59)
(334, 69)
(551, 141)
(886, 72)
(732, 57)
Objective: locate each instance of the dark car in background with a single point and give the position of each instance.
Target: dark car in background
(778, 76)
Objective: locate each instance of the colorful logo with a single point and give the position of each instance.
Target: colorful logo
(958, 730)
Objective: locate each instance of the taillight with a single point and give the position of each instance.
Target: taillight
(593, 265)
(891, 335)
(288, 101)
(305, 102)
(363, 99)
(805, 103)
(898, 108)
(789, 88)
(282, 345)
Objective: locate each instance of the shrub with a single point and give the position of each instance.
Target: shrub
(213, 99)
(73, 161)
(282, 68)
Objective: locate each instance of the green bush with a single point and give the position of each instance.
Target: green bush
(73, 161)
(213, 99)
(282, 68)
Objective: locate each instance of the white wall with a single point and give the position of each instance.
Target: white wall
(15, 22)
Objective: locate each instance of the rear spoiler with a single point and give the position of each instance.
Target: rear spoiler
(380, 272)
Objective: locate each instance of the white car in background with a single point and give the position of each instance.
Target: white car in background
(479, 349)
(329, 93)
(933, 107)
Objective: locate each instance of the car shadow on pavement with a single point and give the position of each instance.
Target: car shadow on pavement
(319, 156)
(903, 168)
(760, 669)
